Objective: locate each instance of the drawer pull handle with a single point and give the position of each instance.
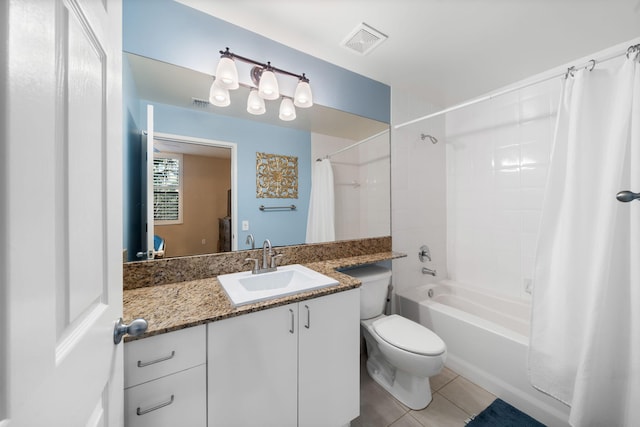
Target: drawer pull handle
(161, 405)
(142, 364)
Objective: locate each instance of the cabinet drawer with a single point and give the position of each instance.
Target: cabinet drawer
(160, 355)
(175, 400)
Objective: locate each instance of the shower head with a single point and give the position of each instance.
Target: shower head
(433, 139)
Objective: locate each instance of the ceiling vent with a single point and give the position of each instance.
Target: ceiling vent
(363, 39)
(202, 103)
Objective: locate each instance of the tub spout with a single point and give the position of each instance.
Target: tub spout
(426, 270)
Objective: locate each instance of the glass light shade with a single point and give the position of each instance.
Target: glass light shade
(255, 104)
(303, 97)
(287, 110)
(268, 87)
(227, 74)
(218, 95)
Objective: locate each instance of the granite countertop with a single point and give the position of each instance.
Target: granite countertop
(177, 306)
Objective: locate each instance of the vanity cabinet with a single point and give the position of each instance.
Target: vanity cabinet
(165, 379)
(294, 365)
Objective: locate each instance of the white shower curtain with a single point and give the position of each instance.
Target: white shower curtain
(585, 333)
(321, 219)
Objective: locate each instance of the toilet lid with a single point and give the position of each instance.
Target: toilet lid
(408, 335)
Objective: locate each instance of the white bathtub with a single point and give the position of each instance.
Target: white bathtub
(487, 340)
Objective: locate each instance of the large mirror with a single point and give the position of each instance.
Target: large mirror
(222, 205)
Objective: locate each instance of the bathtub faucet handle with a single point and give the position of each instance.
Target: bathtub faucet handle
(426, 270)
(424, 253)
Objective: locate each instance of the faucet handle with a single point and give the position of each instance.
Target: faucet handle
(256, 264)
(424, 253)
(274, 260)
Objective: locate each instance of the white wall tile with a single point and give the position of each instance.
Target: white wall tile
(531, 221)
(533, 176)
(419, 197)
(495, 195)
(362, 185)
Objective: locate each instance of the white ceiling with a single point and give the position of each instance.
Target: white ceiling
(447, 51)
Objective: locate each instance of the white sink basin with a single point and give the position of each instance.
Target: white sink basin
(246, 288)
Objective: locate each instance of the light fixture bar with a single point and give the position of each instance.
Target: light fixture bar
(263, 65)
(263, 76)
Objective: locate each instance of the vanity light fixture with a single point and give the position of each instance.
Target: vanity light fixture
(218, 95)
(226, 71)
(268, 84)
(264, 77)
(255, 104)
(303, 97)
(287, 110)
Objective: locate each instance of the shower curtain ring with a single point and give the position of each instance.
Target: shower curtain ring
(633, 49)
(569, 72)
(593, 65)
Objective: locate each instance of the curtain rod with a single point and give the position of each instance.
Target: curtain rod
(589, 64)
(326, 156)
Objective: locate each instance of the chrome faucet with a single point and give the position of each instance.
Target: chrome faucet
(267, 255)
(266, 244)
(250, 241)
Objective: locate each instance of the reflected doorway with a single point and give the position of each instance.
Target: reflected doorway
(193, 196)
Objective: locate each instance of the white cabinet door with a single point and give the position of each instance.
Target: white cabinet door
(61, 215)
(329, 362)
(252, 369)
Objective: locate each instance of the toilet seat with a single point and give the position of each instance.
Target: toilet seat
(408, 335)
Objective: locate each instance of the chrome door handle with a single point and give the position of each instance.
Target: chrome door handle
(135, 328)
(308, 325)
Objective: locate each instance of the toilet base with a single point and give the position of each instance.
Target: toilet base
(411, 391)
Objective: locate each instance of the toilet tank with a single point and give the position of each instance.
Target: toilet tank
(375, 287)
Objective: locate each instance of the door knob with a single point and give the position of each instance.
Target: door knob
(135, 328)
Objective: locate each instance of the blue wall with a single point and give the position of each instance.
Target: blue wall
(282, 227)
(174, 33)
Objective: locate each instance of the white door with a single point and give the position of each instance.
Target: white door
(61, 223)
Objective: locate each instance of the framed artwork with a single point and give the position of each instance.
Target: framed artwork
(276, 176)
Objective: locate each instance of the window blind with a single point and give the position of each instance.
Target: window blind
(166, 189)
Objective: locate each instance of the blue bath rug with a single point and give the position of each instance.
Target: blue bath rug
(501, 414)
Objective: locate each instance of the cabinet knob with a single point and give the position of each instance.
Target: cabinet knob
(135, 328)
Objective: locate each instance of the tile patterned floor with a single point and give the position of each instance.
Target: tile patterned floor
(455, 399)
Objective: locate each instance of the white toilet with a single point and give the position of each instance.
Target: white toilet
(401, 354)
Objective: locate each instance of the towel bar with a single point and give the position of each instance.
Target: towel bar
(269, 208)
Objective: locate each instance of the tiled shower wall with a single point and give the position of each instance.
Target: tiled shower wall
(497, 161)
(418, 191)
(361, 184)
